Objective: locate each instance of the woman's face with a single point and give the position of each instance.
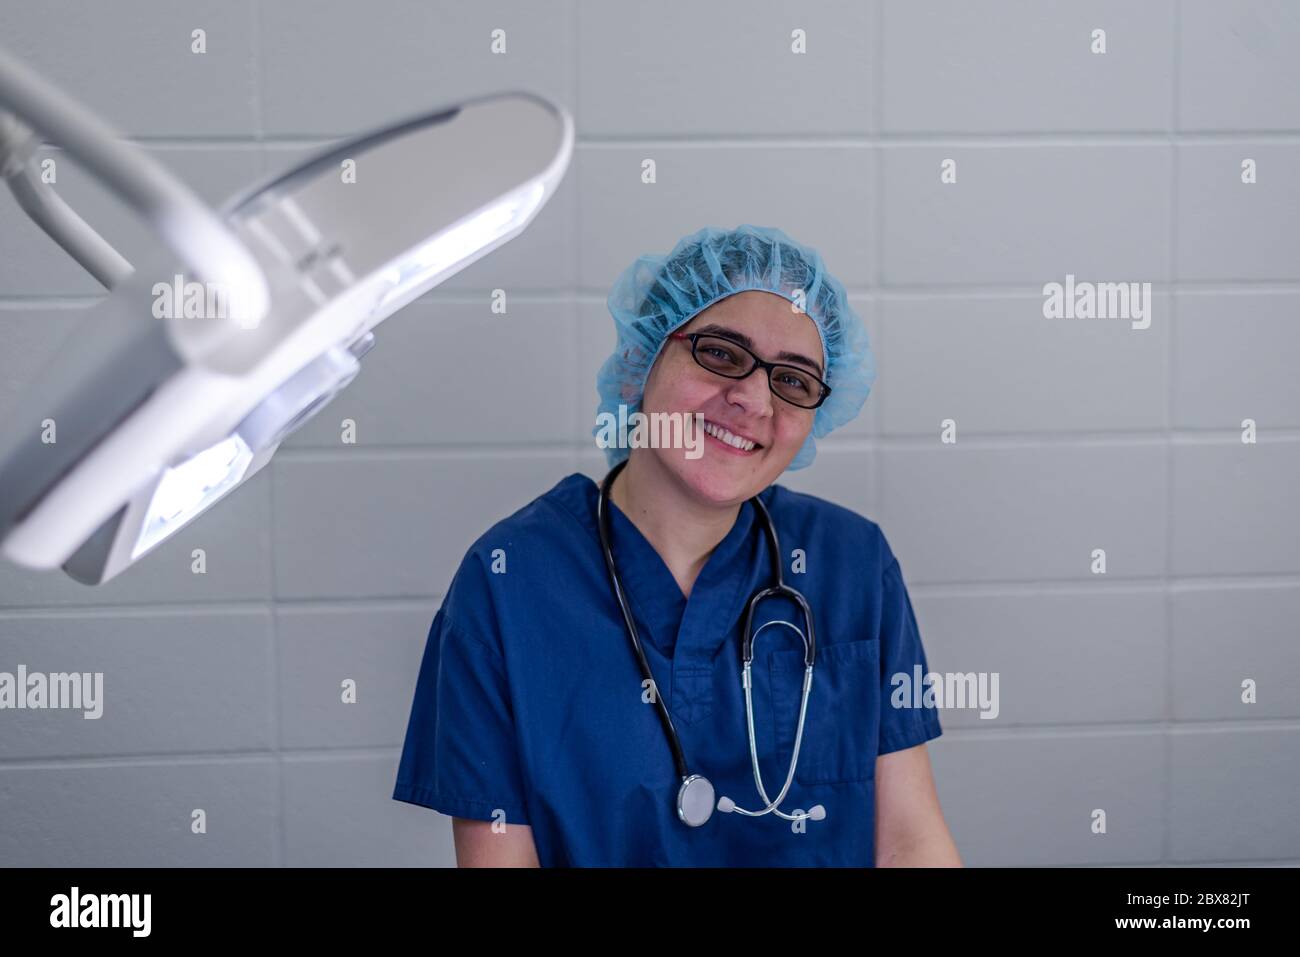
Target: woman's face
(746, 407)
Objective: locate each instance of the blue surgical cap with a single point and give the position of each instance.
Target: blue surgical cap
(657, 294)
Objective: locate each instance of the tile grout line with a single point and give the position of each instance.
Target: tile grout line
(1171, 272)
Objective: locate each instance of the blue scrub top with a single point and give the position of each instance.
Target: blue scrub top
(529, 706)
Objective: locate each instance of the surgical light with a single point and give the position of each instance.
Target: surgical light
(187, 489)
(439, 256)
(160, 418)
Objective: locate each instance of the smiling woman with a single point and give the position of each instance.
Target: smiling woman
(550, 741)
(751, 419)
(736, 276)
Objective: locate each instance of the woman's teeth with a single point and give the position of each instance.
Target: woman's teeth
(718, 432)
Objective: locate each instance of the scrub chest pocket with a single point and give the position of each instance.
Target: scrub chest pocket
(841, 730)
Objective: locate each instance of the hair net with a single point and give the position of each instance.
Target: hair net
(657, 294)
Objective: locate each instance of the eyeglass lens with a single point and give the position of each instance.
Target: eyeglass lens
(724, 357)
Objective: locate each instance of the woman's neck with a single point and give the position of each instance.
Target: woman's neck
(682, 530)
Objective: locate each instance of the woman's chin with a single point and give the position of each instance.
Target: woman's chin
(721, 478)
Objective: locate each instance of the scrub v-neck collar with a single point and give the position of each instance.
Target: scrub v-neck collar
(688, 630)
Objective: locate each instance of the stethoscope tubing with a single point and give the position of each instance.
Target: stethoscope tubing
(747, 656)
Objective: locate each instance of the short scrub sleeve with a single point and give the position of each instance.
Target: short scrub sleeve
(460, 756)
(900, 652)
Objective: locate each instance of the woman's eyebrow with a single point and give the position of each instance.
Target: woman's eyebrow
(748, 343)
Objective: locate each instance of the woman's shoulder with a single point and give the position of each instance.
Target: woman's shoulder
(833, 525)
(505, 559)
(537, 527)
(553, 514)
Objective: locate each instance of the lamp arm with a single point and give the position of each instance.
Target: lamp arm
(183, 221)
(62, 224)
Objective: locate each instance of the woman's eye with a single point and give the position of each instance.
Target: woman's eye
(797, 381)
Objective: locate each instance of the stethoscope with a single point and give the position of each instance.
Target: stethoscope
(695, 795)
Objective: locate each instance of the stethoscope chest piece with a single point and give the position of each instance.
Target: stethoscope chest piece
(695, 800)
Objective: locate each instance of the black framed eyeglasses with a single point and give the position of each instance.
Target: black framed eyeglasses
(729, 358)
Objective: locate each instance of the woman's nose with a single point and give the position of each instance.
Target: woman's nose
(753, 393)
